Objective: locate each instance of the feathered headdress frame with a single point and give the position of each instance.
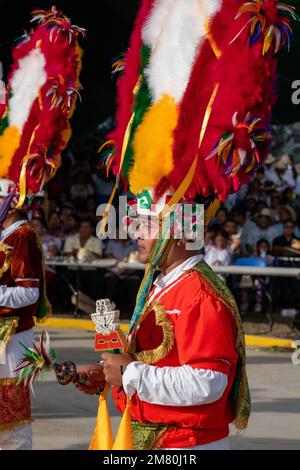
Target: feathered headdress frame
(42, 90)
(194, 114)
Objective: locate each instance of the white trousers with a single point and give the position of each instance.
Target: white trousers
(20, 437)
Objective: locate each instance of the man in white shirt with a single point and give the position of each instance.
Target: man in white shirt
(83, 239)
(263, 228)
(86, 247)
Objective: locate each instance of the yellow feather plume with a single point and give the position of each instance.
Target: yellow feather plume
(153, 144)
(9, 142)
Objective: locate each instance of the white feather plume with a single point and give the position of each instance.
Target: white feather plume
(175, 30)
(25, 85)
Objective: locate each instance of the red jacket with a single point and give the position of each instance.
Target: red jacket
(204, 337)
(21, 261)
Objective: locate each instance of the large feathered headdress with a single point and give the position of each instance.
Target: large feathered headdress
(194, 110)
(196, 94)
(43, 86)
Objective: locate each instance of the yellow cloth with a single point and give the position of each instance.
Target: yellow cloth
(102, 438)
(124, 437)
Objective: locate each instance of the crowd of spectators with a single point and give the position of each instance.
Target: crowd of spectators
(66, 223)
(261, 220)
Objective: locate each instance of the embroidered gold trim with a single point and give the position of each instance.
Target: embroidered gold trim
(8, 382)
(7, 251)
(8, 327)
(154, 355)
(146, 435)
(9, 426)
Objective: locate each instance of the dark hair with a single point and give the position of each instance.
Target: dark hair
(75, 217)
(221, 233)
(239, 211)
(87, 220)
(222, 209)
(289, 221)
(230, 220)
(41, 221)
(51, 214)
(262, 240)
(22, 214)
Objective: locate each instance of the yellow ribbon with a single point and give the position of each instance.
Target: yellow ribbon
(22, 180)
(124, 437)
(212, 42)
(179, 193)
(124, 148)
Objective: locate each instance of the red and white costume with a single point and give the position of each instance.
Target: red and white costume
(20, 289)
(189, 388)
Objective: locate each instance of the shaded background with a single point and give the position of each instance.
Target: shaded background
(108, 24)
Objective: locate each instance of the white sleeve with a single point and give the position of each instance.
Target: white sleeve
(173, 386)
(18, 297)
(69, 245)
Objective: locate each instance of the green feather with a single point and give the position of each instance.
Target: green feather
(142, 102)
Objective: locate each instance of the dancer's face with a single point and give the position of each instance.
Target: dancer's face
(146, 234)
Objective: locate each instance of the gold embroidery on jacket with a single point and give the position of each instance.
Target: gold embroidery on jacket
(152, 356)
(7, 252)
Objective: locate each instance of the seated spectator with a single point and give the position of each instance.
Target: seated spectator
(289, 197)
(285, 245)
(263, 250)
(51, 245)
(290, 172)
(71, 224)
(234, 237)
(260, 175)
(254, 189)
(250, 207)
(84, 239)
(90, 209)
(84, 246)
(275, 200)
(281, 176)
(219, 220)
(120, 249)
(262, 229)
(260, 283)
(55, 227)
(241, 224)
(219, 253)
(66, 210)
(285, 213)
(270, 160)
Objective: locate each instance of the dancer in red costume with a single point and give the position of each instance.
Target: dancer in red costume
(193, 123)
(34, 129)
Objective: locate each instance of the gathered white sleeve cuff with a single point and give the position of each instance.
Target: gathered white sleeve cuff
(18, 297)
(173, 386)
